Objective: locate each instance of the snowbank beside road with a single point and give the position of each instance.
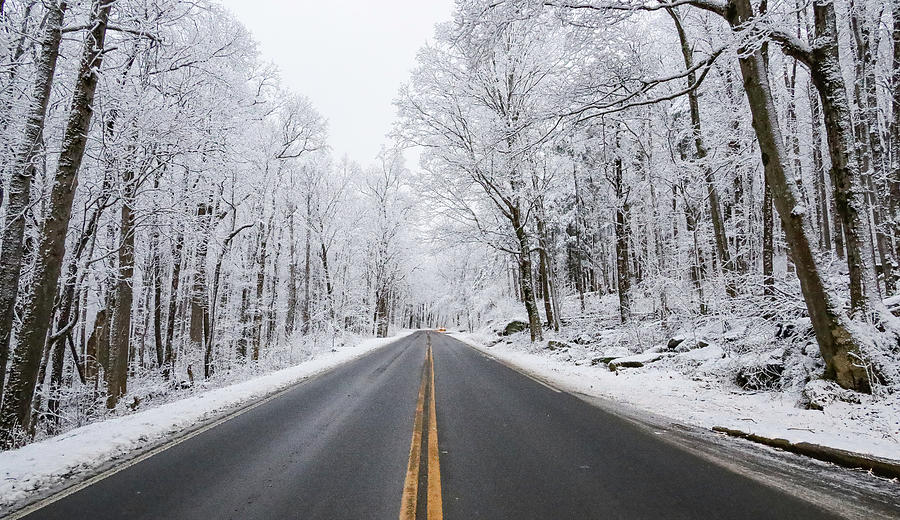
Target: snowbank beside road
(39, 465)
(872, 427)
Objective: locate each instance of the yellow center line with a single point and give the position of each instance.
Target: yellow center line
(435, 503)
(408, 501)
(411, 486)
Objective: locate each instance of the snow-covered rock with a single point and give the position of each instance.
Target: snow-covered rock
(819, 393)
(760, 371)
(637, 360)
(703, 353)
(514, 327)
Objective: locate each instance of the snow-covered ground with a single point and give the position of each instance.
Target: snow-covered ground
(46, 463)
(869, 427)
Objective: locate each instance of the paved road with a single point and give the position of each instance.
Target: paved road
(339, 447)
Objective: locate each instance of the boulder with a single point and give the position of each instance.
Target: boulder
(635, 361)
(761, 374)
(893, 305)
(583, 339)
(818, 393)
(674, 342)
(514, 327)
(556, 345)
(683, 344)
(785, 330)
(603, 359)
(796, 328)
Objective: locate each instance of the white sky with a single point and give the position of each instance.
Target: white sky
(348, 56)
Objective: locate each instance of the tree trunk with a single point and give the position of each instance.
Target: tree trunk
(822, 212)
(544, 270)
(199, 298)
(768, 242)
(525, 277)
(622, 227)
(16, 411)
(715, 212)
(271, 314)
(290, 318)
(381, 312)
(307, 267)
(18, 198)
(261, 257)
(894, 179)
(838, 343)
(120, 339)
(579, 247)
(157, 302)
(793, 137)
(67, 298)
(13, 63)
(846, 179)
(328, 288)
(211, 320)
(869, 146)
(173, 303)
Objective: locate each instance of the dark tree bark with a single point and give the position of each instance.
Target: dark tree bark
(715, 212)
(68, 303)
(822, 207)
(169, 363)
(307, 267)
(158, 342)
(261, 257)
(98, 346)
(544, 268)
(869, 145)
(526, 280)
(273, 295)
(16, 411)
(211, 326)
(768, 242)
(18, 193)
(846, 177)
(290, 318)
(622, 227)
(120, 338)
(579, 276)
(838, 344)
(381, 312)
(199, 298)
(329, 290)
(894, 177)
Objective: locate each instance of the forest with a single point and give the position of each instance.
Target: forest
(173, 216)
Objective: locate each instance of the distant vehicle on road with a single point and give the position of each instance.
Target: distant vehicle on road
(440, 329)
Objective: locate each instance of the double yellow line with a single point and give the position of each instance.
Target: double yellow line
(409, 501)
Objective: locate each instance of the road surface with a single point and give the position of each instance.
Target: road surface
(344, 445)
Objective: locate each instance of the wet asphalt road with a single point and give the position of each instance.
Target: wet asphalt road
(337, 446)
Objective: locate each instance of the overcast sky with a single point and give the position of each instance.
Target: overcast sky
(348, 56)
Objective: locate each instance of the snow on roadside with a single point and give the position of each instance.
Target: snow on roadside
(870, 428)
(45, 463)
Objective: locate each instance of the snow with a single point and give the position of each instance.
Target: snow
(872, 427)
(42, 464)
(707, 353)
(646, 357)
